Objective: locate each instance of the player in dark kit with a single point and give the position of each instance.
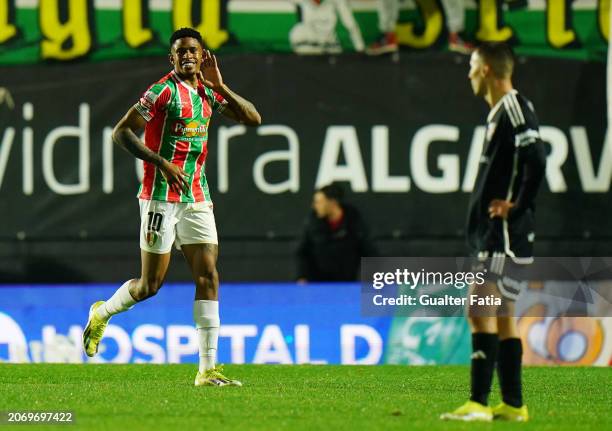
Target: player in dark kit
(500, 227)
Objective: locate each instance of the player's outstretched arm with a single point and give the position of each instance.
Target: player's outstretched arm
(124, 135)
(238, 108)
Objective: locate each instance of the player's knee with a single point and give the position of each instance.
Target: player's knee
(483, 324)
(507, 328)
(474, 323)
(148, 287)
(208, 276)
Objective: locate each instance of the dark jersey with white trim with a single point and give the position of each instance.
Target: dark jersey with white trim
(511, 167)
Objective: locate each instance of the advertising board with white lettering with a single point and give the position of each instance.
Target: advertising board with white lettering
(274, 324)
(404, 139)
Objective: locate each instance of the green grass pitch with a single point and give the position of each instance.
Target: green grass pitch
(162, 397)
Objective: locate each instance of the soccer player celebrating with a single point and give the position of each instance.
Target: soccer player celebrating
(500, 226)
(175, 205)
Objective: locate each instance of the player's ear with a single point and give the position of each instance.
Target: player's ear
(171, 59)
(485, 70)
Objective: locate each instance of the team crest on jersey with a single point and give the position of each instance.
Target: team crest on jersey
(191, 129)
(152, 238)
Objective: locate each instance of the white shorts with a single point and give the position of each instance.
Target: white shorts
(164, 223)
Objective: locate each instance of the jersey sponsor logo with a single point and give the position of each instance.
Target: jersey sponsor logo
(191, 129)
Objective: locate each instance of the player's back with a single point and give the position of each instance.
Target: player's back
(512, 124)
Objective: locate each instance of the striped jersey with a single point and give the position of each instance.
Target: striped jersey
(178, 118)
(511, 167)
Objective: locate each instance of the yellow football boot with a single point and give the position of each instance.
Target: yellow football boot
(92, 335)
(506, 412)
(470, 411)
(214, 377)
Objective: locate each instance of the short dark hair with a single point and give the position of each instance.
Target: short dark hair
(499, 57)
(333, 191)
(186, 32)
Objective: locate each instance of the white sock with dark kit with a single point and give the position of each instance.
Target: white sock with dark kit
(206, 316)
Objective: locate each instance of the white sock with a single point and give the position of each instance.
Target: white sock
(206, 316)
(121, 301)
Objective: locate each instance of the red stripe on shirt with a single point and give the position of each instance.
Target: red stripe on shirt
(153, 140)
(180, 155)
(186, 105)
(219, 98)
(154, 131)
(206, 107)
(196, 187)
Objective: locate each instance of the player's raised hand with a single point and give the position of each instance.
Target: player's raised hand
(499, 208)
(175, 176)
(210, 75)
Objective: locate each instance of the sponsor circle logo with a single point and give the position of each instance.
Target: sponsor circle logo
(191, 129)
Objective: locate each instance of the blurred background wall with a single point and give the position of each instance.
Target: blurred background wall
(403, 139)
(401, 133)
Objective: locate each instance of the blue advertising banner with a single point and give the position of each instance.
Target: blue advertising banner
(272, 323)
(261, 323)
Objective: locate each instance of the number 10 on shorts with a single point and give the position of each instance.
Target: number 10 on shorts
(154, 222)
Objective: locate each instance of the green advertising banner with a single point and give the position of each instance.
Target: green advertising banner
(34, 31)
(550, 336)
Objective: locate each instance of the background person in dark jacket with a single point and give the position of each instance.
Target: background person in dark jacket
(335, 238)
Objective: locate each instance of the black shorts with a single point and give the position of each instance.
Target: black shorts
(504, 271)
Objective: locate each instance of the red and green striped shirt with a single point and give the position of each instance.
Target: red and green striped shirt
(177, 118)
